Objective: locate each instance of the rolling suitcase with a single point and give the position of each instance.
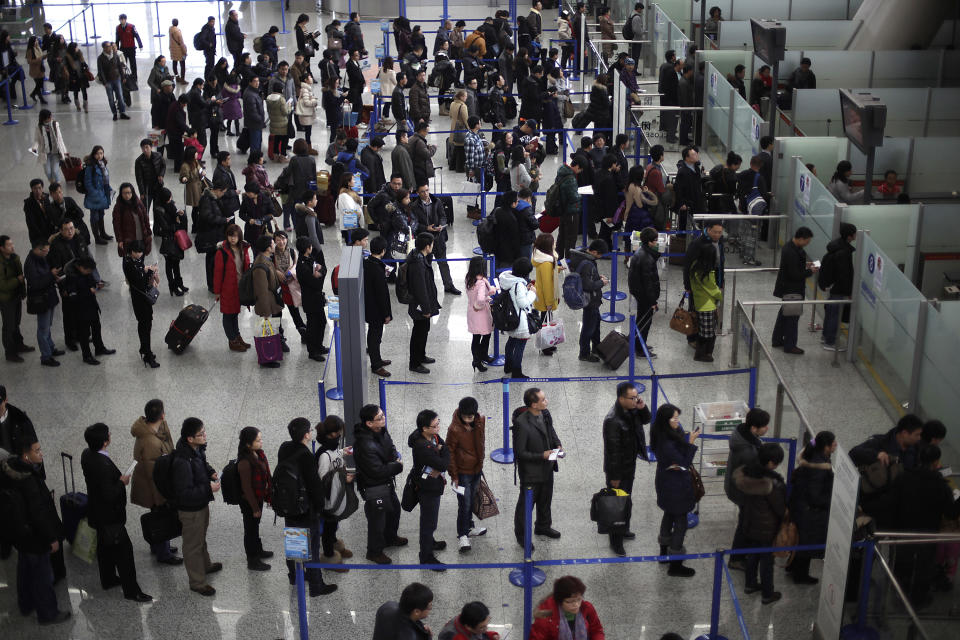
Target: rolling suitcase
(678, 244)
(614, 349)
(185, 328)
(326, 210)
(73, 504)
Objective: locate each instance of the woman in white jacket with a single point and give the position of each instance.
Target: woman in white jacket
(306, 109)
(522, 292)
(349, 208)
(388, 82)
(49, 147)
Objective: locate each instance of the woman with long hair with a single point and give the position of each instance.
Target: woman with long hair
(254, 473)
(840, 184)
(306, 108)
(523, 294)
(705, 295)
(332, 101)
(520, 168)
(329, 457)
(141, 279)
(191, 177)
(169, 220)
(674, 449)
(231, 260)
(547, 278)
(35, 56)
(810, 501)
(388, 82)
(349, 208)
(130, 221)
(49, 146)
(479, 319)
(75, 68)
(96, 183)
(638, 204)
(285, 263)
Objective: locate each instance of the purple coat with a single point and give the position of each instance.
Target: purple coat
(231, 109)
(479, 320)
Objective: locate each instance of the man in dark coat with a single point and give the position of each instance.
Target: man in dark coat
(537, 447)
(585, 263)
(623, 441)
(423, 300)
(107, 513)
(176, 126)
(531, 95)
(149, 168)
(160, 104)
(880, 458)
(370, 158)
(35, 208)
(839, 259)
(208, 38)
(668, 86)
(422, 153)
(745, 446)
(234, 37)
(507, 230)
(62, 208)
(39, 532)
(404, 620)
(432, 216)
(16, 427)
(686, 95)
(211, 223)
(254, 117)
(376, 303)
(198, 108)
(419, 100)
(429, 452)
(791, 285)
(643, 280)
(688, 188)
(398, 103)
(66, 246)
(378, 463)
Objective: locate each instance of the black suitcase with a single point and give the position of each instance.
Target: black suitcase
(614, 349)
(185, 328)
(160, 525)
(73, 504)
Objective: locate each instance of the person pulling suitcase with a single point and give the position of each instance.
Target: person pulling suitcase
(585, 264)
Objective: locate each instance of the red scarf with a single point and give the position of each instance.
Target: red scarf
(260, 476)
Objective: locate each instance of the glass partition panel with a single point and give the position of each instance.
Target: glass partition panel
(818, 10)
(726, 61)
(951, 69)
(801, 34)
(944, 113)
(676, 10)
(889, 227)
(812, 207)
(939, 232)
(928, 172)
(823, 153)
(817, 111)
(940, 373)
(894, 154)
(716, 112)
(747, 123)
(888, 311)
(906, 68)
(791, 60)
(840, 68)
(746, 9)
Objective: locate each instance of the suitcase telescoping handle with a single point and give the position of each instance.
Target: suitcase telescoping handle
(64, 456)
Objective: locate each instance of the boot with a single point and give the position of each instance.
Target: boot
(701, 354)
(103, 231)
(99, 239)
(85, 109)
(336, 558)
(342, 549)
(678, 570)
(664, 551)
(240, 340)
(236, 345)
(708, 350)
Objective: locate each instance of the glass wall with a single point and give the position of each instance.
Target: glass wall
(744, 137)
(940, 370)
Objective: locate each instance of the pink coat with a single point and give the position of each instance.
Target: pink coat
(479, 320)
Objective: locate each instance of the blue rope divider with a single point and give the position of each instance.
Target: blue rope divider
(736, 602)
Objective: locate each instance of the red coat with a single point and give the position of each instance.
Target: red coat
(125, 220)
(225, 281)
(548, 627)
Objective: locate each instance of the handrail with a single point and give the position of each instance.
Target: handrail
(904, 600)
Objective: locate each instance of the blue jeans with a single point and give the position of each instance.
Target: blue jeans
(513, 354)
(231, 325)
(35, 585)
(51, 167)
(44, 340)
(256, 139)
(115, 96)
(590, 331)
(785, 331)
(831, 320)
(469, 483)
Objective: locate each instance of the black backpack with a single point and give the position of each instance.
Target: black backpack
(78, 183)
(505, 316)
(403, 287)
(289, 492)
(487, 233)
(163, 476)
(628, 29)
(247, 295)
(198, 41)
(230, 487)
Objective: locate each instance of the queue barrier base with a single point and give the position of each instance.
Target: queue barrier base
(502, 456)
(707, 636)
(478, 251)
(537, 577)
(335, 394)
(612, 316)
(620, 295)
(857, 631)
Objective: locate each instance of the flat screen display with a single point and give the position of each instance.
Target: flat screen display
(852, 121)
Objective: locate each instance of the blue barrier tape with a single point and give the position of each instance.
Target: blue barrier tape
(442, 384)
(736, 603)
(387, 567)
(702, 374)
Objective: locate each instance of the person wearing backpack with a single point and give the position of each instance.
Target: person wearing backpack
(523, 294)
(231, 261)
(194, 483)
(836, 275)
(567, 204)
(506, 230)
(329, 457)
(423, 303)
(295, 460)
(254, 475)
(585, 264)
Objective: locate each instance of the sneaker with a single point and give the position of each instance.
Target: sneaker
(773, 597)
(833, 347)
(464, 544)
(477, 531)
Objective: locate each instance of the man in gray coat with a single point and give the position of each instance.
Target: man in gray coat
(402, 163)
(537, 447)
(745, 446)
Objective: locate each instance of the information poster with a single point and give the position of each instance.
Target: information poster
(296, 543)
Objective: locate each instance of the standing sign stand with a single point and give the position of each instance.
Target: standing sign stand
(337, 392)
(296, 547)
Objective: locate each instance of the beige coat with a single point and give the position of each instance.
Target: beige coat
(458, 119)
(265, 283)
(35, 58)
(178, 50)
(193, 187)
(149, 446)
(306, 108)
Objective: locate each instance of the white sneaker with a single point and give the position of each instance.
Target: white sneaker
(464, 543)
(477, 531)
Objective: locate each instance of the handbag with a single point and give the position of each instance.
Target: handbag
(484, 503)
(160, 525)
(84, 543)
(151, 293)
(610, 509)
(683, 321)
(791, 310)
(548, 223)
(183, 239)
(787, 536)
(277, 207)
(551, 333)
(130, 83)
(697, 482)
(459, 138)
(410, 497)
(269, 345)
(378, 492)
(568, 110)
(534, 321)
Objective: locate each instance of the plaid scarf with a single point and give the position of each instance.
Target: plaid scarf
(260, 477)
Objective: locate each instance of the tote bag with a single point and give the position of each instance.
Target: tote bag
(183, 239)
(269, 346)
(484, 502)
(551, 333)
(683, 321)
(84, 543)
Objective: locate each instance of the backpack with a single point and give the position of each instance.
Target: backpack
(258, 44)
(827, 276)
(15, 527)
(487, 233)
(245, 287)
(403, 287)
(756, 205)
(198, 41)
(505, 316)
(552, 202)
(581, 120)
(340, 498)
(573, 293)
(163, 476)
(230, 483)
(289, 491)
(78, 183)
(628, 29)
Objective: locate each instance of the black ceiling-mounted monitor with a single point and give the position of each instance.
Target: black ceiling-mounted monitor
(769, 40)
(864, 119)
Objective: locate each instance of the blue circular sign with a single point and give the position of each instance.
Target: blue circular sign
(871, 262)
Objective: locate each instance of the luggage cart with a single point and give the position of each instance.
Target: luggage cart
(715, 418)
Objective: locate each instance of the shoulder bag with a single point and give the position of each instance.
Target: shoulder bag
(683, 321)
(791, 310)
(484, 503)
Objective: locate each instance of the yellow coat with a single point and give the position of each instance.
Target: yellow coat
(545, 266)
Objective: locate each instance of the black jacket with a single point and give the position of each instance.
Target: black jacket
(431, 454)
(40, 281)
(63, 251)
(68, 209)
(198, 108)
(793, 271)
(606, 197)
(147, 170)
(254, 116)
(15, 429)
(300, 456)
(159, 107)
(600, 109)
(191, 477)
(422, 286)
(421, 154)
(922, 498)
(642, 277)
(208, 37)
(378, 205)
(234, 37)
(107, 495)
(311, 288)
(167, 224)
(211, 213)
(393, 624)
(866, 452)
(398, 104)
(810, 499)
(376, 295)
(176, 122)
(668, 85)
(507, 231)
(258, 209)
(585, 177)
(531, 98)
(39, 225)
(375, 456)
(689, 190)
(526, 222)
(765, 502)
(586, 265)
(432, 214)
(843, 266)
(529, 443)
(41, 513)
(374, 164)
(623, 441)
(693, 251)
(745, 186)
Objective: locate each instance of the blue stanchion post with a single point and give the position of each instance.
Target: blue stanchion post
(613, 315)
(156, 6)
(6, 91)
(584, 215)
(529, 576)
(632, 336)
(322, 396)
(504, 455)
(714, 633)
(283, 17)
(93, 19)
(337, 392)
(752, 392)
(302, 603)
(614, 292)
(23, 89)
(859, 629)
(498, 359)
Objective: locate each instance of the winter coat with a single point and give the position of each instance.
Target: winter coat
(63, 251)
(198, 109)
(458, 120)
(312, 225)
(392, 624)
(548, 618)
(643, 280)
(673, 485)
(254, 116)
(689, 189)
(106, 493)
(149, 446)
(226, 280)
(843, 266)
(624, 440)
(40, 281)
(68, 209)
(530, 440)
(523, 299)
(422, 286)
(569, 196)
(232, 107)
(586, 265)
(156, 76)
(193, 187)
(176, 122)
(301, 458)
(421, 154)
(693, 252)
(178, 49)
(375, 456)
(433, 213)
(374, 164)
(531, 99)
(160, 105)
(706, 293)
(507, 231)
(234, 37)
(41, 516)
(466, 446)
(303, 171)
(764, 502)
(15, 430)
(311, 287)
(376, 294)
(810, 498)
(398, 104)
(744, 449)
(545, 272)
(793, 272)
(265, 287)
(168, 223)
(96, 180)
(428, 453)
(844, 193)
(921, 499)
(278, 110)
(479, 318)
(126, 216)
(526, 222)
(43, 146)
(419, 102)
(257, 173)
(388, 82)
(147, 171)
(866, 452)
(35, 58)
(10, 271)
(402, 163)
(258, 210)
(192, 475)
(306, 109)
(40, 223)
